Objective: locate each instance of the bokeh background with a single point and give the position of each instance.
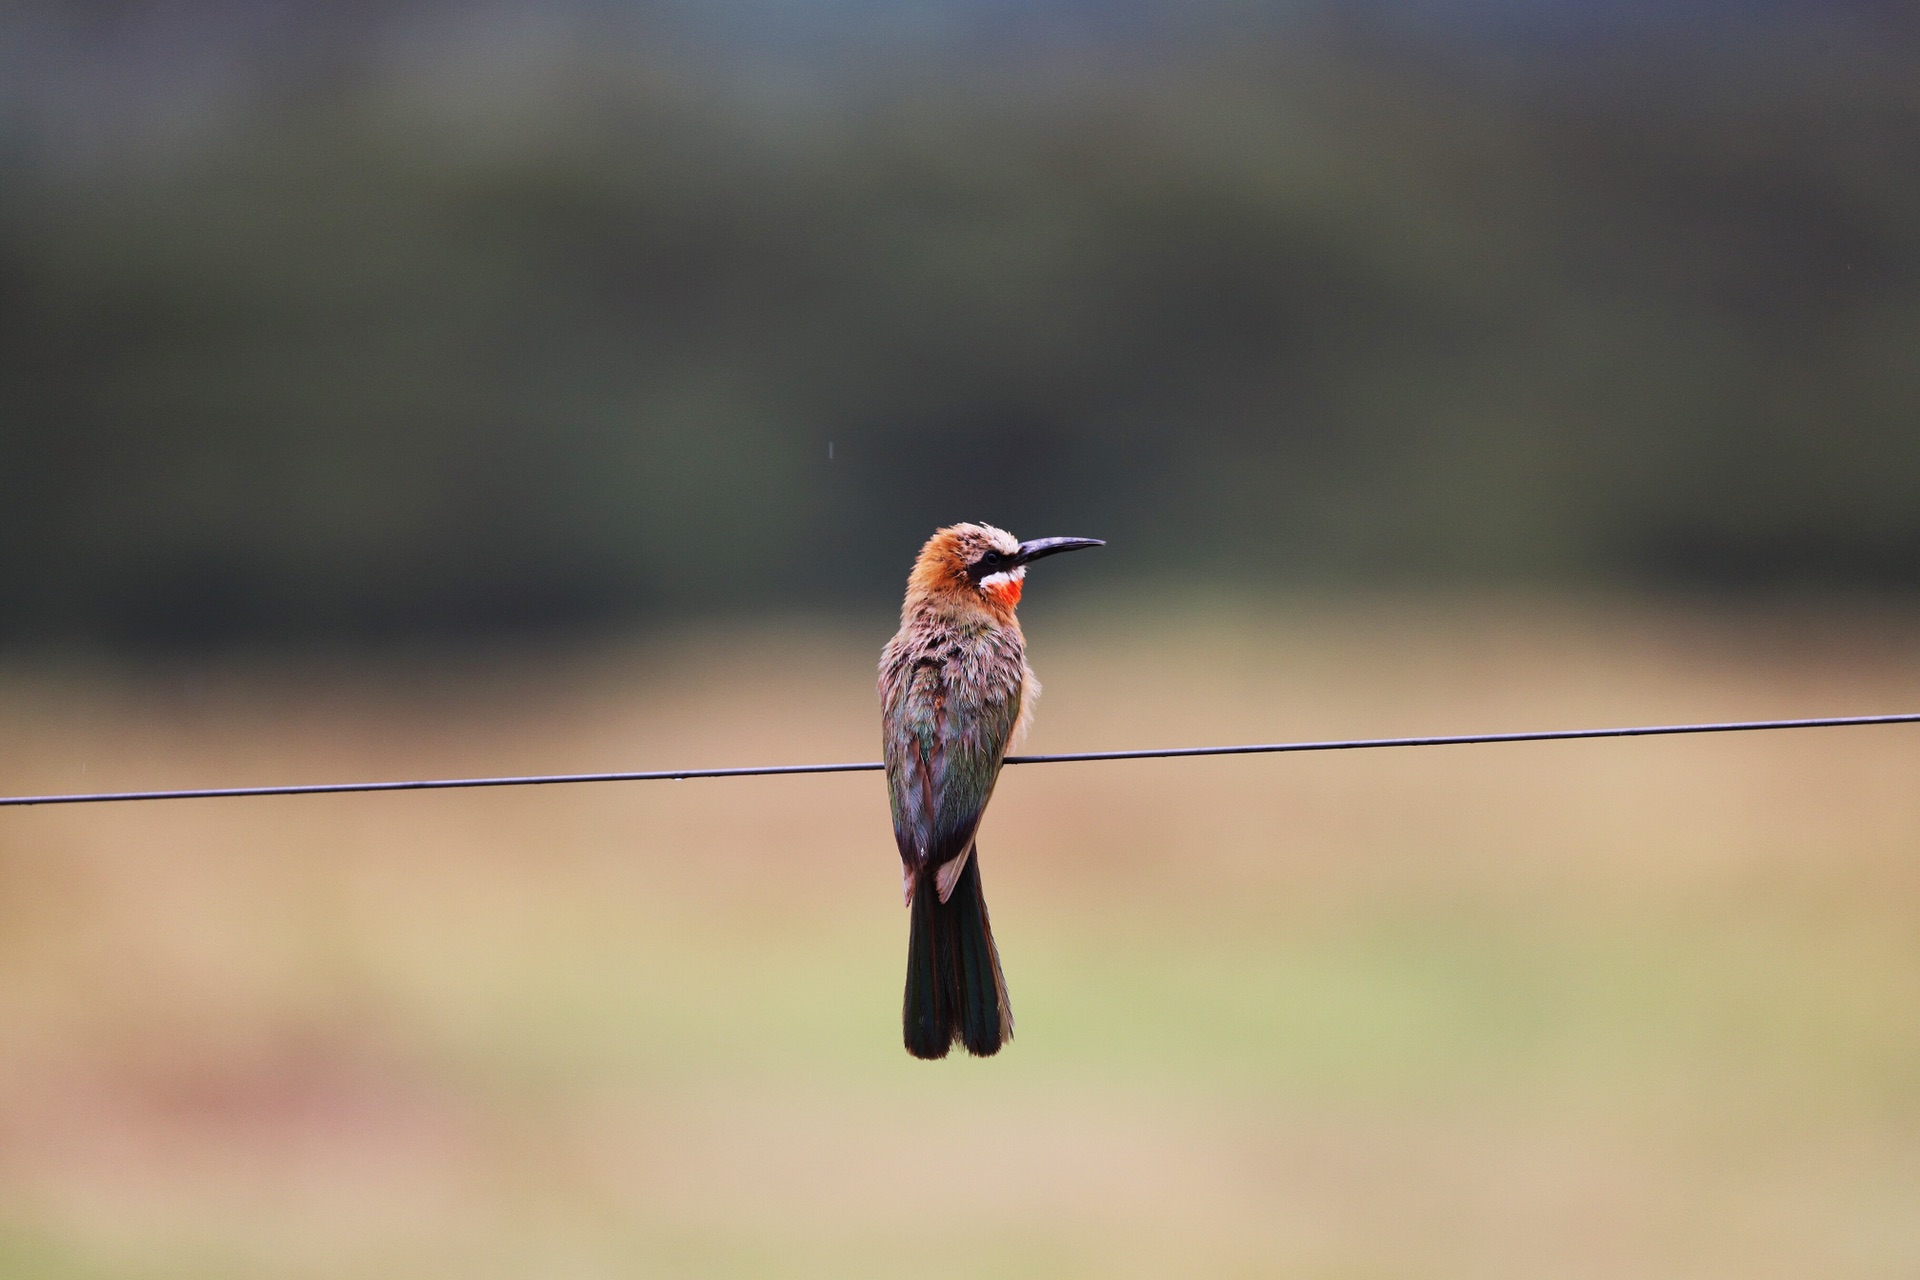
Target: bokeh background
(399, 388)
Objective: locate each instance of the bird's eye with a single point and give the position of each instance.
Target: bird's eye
(992, 558)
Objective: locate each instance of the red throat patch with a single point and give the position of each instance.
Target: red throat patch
(1004, 594)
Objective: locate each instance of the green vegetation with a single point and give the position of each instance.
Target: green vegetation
(429, 346)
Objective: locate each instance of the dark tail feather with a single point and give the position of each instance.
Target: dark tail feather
(955, 989)
(928, 1020)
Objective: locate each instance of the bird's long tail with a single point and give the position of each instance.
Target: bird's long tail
(955, 989)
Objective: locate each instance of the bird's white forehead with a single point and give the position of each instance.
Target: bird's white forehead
(1000, 539)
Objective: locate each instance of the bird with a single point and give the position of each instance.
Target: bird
(955, 693)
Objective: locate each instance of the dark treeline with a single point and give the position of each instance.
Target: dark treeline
(446, 327)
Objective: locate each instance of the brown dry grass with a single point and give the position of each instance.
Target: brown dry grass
(1609, 1009)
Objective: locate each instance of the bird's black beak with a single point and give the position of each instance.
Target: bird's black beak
(1031, 551)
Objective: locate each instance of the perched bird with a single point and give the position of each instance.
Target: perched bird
(955, 690)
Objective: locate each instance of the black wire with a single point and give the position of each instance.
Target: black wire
(1162, 753)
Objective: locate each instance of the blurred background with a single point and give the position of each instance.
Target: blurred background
(399, 388)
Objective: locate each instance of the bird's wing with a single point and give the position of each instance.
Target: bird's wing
(943, 751)
(916, 751)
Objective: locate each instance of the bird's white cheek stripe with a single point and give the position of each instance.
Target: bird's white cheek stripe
(1002, 578)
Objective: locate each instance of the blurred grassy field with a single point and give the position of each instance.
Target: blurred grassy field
(1609, 1009)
